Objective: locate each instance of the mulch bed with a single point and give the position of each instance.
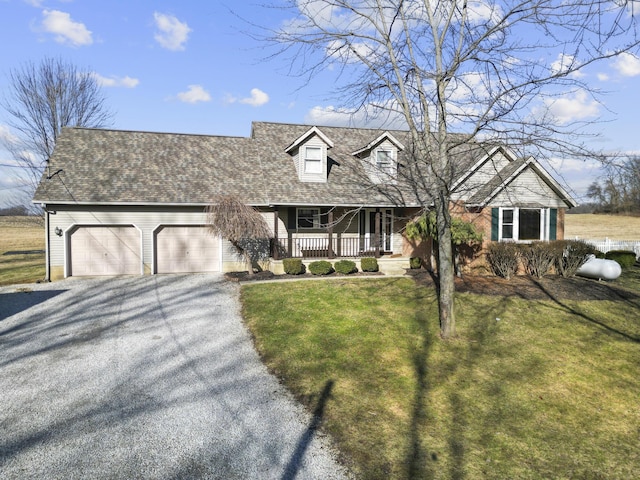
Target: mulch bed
(547, 288)
(551, 287)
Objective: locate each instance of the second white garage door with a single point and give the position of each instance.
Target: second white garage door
(186, 250)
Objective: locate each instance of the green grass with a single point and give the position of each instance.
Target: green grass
(19, 234)
(529, 389)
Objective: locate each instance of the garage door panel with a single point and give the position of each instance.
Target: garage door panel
(187, 250)
(105, 251)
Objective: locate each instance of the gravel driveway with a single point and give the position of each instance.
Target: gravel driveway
(145, 377)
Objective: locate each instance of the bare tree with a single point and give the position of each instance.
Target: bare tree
(242, 225)
(453, 73)
(42, 99)
(619, 189)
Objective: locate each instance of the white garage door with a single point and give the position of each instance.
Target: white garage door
(105, 251)
(187, 250)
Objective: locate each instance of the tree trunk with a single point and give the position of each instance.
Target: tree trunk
(247, 259)
(446, 272)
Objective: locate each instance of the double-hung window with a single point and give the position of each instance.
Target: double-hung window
(313, 159)
(308, 218)
(524, 224)
(384, 161)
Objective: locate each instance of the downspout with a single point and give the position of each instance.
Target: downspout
(47, 271)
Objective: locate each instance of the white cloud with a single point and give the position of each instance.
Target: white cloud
(257, 98)
(481, 11)
(6, 136)
(66, 31)
(172, 34)
(627, 64)
(194, 94)
(603, 77)
(370, 116)
(113, 81)
(573, 108)
(565, 63)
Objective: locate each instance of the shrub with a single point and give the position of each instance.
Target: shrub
(369, 264)
(345, 267)
(503, 258)
(538, 258)
(320, 267)
(415, 263)
(293, 266)
(626, 258)
(570, 255)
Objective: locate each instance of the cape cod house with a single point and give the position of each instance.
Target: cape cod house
(124, 202)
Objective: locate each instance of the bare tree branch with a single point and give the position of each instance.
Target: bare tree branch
(41, 100)
(242, 225)
(455, 74)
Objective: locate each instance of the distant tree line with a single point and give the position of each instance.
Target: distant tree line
(619, 190)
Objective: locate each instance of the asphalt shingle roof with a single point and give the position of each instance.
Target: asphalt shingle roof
(123, 167)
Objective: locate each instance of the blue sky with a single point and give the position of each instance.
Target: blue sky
(190, 67)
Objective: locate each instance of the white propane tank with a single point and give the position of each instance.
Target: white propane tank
(600, 269)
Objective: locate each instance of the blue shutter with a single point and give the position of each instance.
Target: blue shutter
(495, 220)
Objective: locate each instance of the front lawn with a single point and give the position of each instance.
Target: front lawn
(530, 389)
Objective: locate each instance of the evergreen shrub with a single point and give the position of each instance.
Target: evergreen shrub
(293, 266)
(626, 258)
(320, 267)
(345, 267)
(369, 264)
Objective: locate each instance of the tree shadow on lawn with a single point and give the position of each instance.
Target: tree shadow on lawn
(469, 351)
(463, 354)
(633, 302)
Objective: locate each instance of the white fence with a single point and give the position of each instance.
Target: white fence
(607, 244)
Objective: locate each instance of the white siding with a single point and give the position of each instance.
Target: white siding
(482, 176)
(371, 168)
(313, 141)
(145, 219)
(528, 189)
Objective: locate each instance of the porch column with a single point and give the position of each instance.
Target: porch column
(276, 242)
(376, 235)
(330, 232)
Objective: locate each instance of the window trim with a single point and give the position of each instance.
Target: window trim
(316, 162)
(544, 224)
(315, 218)
(389, 162)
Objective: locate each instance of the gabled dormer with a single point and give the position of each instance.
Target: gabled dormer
(380, 158)
(309, 152)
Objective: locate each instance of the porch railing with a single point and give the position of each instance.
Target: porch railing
(321, 247)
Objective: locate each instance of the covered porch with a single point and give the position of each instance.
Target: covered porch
(334, 232)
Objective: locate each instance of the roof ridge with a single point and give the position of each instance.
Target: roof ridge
(150, 132)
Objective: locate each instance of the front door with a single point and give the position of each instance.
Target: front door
(386, 229)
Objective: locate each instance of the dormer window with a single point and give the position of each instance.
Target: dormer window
(384, 161)
(380, 158)
(313, 159)
(309, 153)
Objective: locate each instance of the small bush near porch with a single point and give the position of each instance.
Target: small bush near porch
(531, 389)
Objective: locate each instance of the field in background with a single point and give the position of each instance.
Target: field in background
(589, 225)
(21, 250)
